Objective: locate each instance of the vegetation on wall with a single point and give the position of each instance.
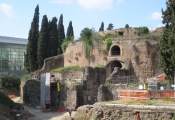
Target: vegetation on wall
(167, 43)
(108, 42)
(9, 80)
(142, 31)
(74, 68)
(86, 36)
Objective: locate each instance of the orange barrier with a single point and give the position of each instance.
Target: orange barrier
(11, 96)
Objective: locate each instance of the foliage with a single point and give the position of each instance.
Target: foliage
(31, 60)
(26, 77)
(135, 84)
(9, 80)
(110, 26)
(165, 82)
(142, 31)
(70, 31)
(66, 42)
(43, 42)
(101, 27)
(108, 42)
(74, 68)
(4, 100)
(61, 34)
(53, 38)
(99, 66)
(152, 36)
(87, 35)
(127, 26)
(167, 43)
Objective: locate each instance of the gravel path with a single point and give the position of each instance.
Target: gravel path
(37, 114)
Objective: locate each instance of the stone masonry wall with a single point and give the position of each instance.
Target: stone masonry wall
(31, 92)
(140, 56)
(68, 75)
(123, 112)
(53, 63)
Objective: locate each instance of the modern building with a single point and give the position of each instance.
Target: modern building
(12, 51)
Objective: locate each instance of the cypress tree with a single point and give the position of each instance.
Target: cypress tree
(101, 27)
(33, 41)
(70, 31)
(167, 42)
(53, 38)
(43, 42)
(61, 34)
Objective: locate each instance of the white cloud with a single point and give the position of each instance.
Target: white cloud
(96, 4)
(160, 25)
(7, 10)
(156, 16)
(61, 1)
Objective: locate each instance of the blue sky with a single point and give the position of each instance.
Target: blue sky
(16, 15)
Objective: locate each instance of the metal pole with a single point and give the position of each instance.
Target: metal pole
(174, 84)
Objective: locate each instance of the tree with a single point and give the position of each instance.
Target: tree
(43, 42)
(53, 38)
(167, 42)
(61, 34)
(86, 35)
(127, 26)
(32, 42)
(70, 31)
(101, 27)
(142, 31)
(110, 26)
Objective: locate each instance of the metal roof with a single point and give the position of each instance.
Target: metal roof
(13, 40)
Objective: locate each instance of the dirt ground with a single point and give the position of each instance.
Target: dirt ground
(36, 114)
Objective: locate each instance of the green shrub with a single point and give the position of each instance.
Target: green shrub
(142, 31)
(26, 77)
(9, 80)
(99, 66)
(74, 68)
(108, 42)
(4, 100)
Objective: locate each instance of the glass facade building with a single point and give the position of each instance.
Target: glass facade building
(12, 53)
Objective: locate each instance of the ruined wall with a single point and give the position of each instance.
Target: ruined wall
(139, 56)
(75, 55)
(124, 112)
(93, 78)
(31, 92)
(68, 75)
(53, 63)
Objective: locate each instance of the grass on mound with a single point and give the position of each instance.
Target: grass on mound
(5, 101)
(74, 68)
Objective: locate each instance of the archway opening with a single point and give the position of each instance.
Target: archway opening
(115, 50)
(115, 64)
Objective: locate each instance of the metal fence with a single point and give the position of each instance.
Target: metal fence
(124, 79)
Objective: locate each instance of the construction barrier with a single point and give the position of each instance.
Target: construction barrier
(11, 96)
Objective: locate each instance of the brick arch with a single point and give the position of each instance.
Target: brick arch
(115, 50)
(111, 64)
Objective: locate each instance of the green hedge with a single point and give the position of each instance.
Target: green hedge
(9, 80)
